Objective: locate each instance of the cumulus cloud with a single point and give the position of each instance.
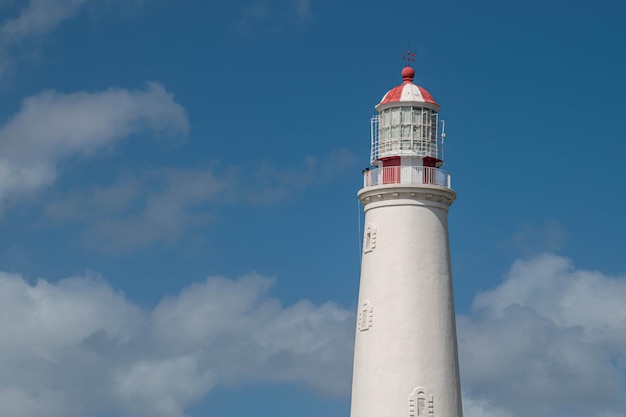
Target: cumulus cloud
(79, 348)
(51, 126)
(548, 341)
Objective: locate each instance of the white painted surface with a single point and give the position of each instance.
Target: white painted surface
(406, 361)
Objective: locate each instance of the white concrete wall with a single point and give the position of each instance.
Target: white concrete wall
(406, 361)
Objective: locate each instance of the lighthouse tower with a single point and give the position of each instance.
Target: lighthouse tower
(405, 357)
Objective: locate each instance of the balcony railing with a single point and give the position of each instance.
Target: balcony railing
(406, 175)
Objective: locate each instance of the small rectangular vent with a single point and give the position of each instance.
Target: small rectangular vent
(418, 404)
(365, 316)
(369, 240)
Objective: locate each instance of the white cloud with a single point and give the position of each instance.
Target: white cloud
(481, 408)
(168, 201)
(40, 17)
(268, 183)
(34, 20)
(166, 205)
(164, 386)
(549, 341)
(51, 126)
(79, 348)
(532, 240)
(272, 15)
(303, 9)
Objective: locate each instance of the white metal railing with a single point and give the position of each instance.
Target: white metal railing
(374, 136)
(406, 175)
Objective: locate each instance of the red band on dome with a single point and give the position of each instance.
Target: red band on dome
(393, 95)
(426, 95)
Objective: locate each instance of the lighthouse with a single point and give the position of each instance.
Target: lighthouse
(405, 356)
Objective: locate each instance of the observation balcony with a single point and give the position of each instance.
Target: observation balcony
(417, 175)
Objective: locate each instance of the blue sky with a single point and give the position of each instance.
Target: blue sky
(179, 216)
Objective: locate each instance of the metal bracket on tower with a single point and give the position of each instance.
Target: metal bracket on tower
(443, 138)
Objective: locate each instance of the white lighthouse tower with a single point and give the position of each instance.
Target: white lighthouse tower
(405, 357)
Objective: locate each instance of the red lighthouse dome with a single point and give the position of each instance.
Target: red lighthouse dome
(408, 92)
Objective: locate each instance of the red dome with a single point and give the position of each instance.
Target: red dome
(407, 91)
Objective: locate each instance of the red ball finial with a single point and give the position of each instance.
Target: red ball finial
(408, 74)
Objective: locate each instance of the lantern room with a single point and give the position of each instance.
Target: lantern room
(405, 128)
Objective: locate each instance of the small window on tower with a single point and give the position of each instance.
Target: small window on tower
(421, 404)
(369, 240)
(365, 316)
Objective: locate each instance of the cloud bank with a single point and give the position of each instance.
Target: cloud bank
(79, 348)
(549, 341)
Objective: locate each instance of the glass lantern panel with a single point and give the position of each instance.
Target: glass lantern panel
(433, 123)
(384, 115)
(406, 131)
(406, 115)
(395, 116)
(416, 133)
(417, 114)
